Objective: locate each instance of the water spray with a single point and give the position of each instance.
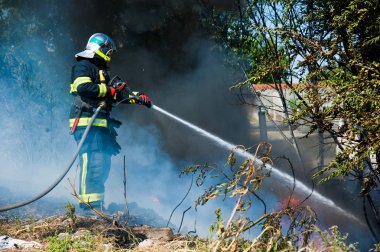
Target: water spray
(282, 175)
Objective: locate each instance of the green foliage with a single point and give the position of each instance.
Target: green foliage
(68, 243)
(331, 48)
(56, 244)
(332, 238)
(217, 226)
(70, 213)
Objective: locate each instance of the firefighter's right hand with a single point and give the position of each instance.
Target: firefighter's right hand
(118, 89)
(145, 100)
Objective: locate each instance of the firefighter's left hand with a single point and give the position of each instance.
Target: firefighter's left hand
(145, 100)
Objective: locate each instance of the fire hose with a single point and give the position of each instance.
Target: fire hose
(59, 179)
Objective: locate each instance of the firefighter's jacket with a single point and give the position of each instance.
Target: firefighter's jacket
(89, 86)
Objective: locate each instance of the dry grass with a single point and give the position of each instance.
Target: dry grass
(59, 233)
(90, 234)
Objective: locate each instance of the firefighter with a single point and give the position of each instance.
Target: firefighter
(89, 76)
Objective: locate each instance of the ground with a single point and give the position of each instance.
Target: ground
(78, 233)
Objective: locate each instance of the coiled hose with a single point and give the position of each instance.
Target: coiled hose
(51, 187)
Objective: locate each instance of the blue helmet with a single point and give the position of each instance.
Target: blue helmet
(99, 44)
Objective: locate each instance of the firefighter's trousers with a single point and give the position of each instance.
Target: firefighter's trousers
(95, 163)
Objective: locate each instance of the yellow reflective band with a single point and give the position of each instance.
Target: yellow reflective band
(77, 82)
(91, 197)
(84, 173)
(105, 57)
(102, 78)
(135, 92)
(72, 88)
(83, 121)
(81, 80)
(102, 90)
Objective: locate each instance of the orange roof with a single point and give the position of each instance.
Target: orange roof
(263, 87)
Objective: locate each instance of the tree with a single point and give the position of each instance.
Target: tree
(331, 48)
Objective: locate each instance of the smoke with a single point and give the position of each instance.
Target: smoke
(33, 143)
(162, 51)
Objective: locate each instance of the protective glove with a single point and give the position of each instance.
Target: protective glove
(118, 89)
(145, 100)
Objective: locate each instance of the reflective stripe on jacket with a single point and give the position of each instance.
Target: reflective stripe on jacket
(83, 121)
(86, 79)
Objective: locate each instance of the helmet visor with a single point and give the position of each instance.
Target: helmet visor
(108, 46)
(104, 43)
(108, 51)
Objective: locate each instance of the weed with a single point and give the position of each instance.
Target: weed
(32, 223)
(70, 213)
(241, 182)
(70, 243)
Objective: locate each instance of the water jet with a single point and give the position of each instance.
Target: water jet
(300, 186)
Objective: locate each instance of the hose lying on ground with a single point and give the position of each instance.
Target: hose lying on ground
(51, 187)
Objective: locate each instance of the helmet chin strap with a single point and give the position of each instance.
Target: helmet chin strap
(103, 56)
